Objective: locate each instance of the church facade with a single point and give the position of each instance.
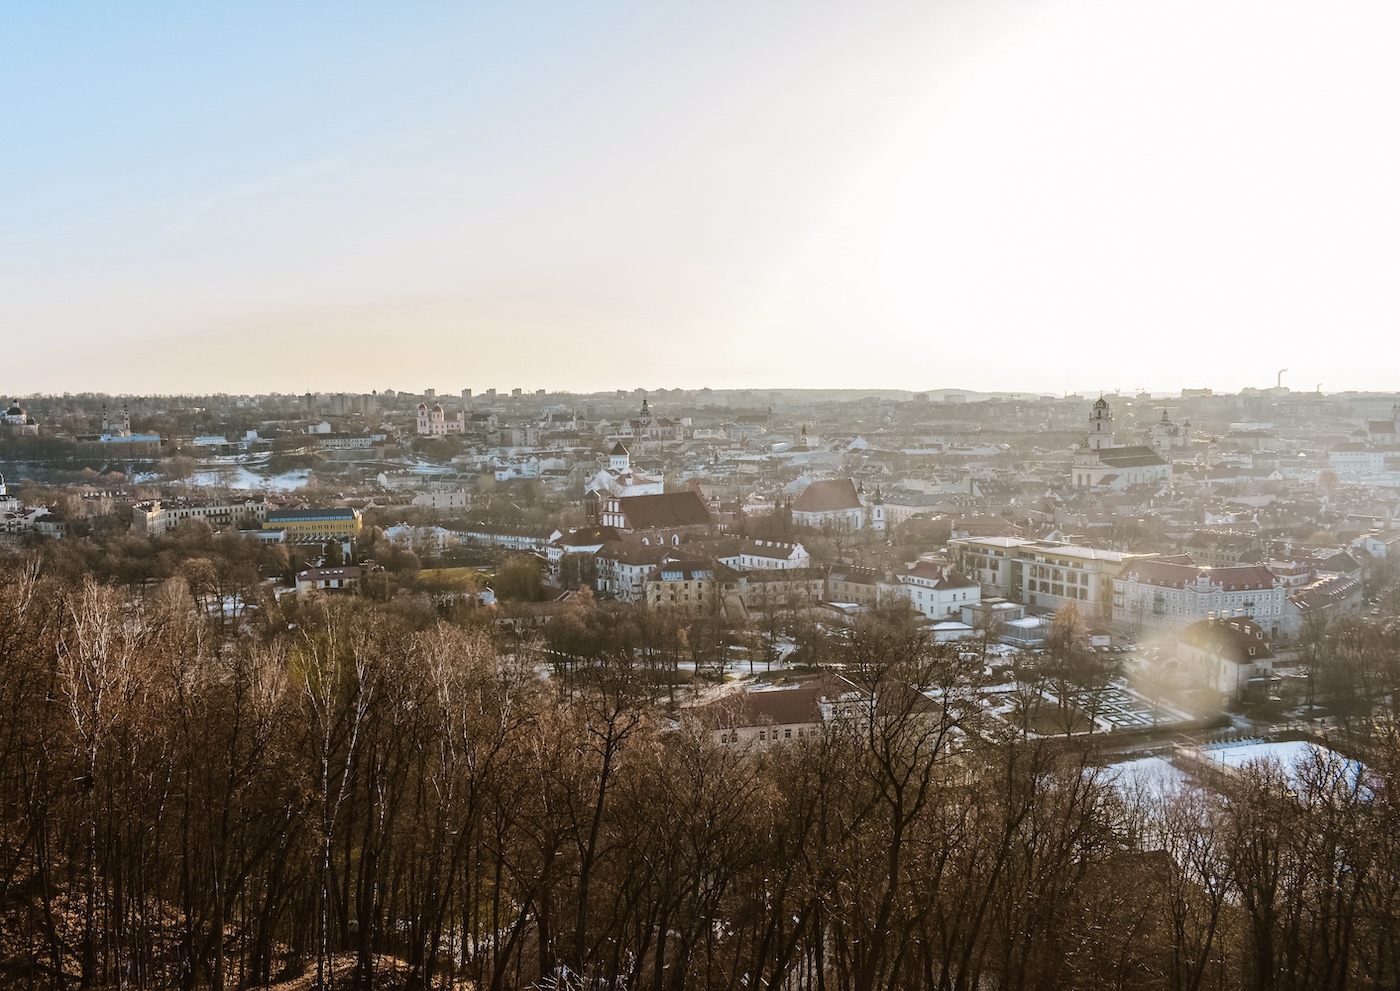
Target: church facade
(1100, 463)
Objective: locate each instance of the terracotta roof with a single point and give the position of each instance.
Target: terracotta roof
(827, 496)
(669, 509)
(1168, 575)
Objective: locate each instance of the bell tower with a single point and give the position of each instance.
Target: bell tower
(1100, 425)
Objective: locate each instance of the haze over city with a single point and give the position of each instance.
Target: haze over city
(1046, 197)
(784, 494)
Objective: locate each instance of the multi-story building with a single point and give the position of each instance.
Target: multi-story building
(1041, 574)
(156, 516)
(858, 586)
(766, 555)
(624, 566)
(314, 580)
(314, 525)
(1154, 595)
(934, 591)
(689, 585)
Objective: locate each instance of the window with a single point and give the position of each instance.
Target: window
(787, 733)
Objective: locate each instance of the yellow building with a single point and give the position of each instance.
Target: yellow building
(314, 525)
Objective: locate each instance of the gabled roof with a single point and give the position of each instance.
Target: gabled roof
(1237, 640)
(618, 450)
(1326, 592)
(943, 579)
(1129, 457)
(632, 553)
(774, 706)
(589, 536)
(669, 509)
(1168, 575)
(828, 495)
(1341, 562)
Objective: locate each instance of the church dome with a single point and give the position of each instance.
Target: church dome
(1101, 404)
(14, 410)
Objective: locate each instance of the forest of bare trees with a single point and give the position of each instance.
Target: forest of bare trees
(185, 806)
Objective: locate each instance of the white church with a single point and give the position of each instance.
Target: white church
(621, 479)
(1100, 463)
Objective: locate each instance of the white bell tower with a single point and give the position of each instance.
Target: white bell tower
(1100, 426)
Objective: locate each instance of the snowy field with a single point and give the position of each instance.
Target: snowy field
(1148, 777)
(1293, 758)
(242, 477)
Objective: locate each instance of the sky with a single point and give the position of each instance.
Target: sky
(1057, 196)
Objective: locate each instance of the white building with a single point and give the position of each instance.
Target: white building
(934, 591)
(1042, 574)
(620, 478)
(1155, 594)
(15, 420)
(1356, 459)
(422, 539)
(442, 500)
(155, 516)
(1100, 463)
(1165, 436)
(766, 555)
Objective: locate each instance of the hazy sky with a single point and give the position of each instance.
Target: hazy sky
(1058, 195)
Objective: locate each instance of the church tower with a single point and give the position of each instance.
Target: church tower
(1100, 426)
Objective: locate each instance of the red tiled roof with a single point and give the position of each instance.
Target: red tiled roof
(1168, 575)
